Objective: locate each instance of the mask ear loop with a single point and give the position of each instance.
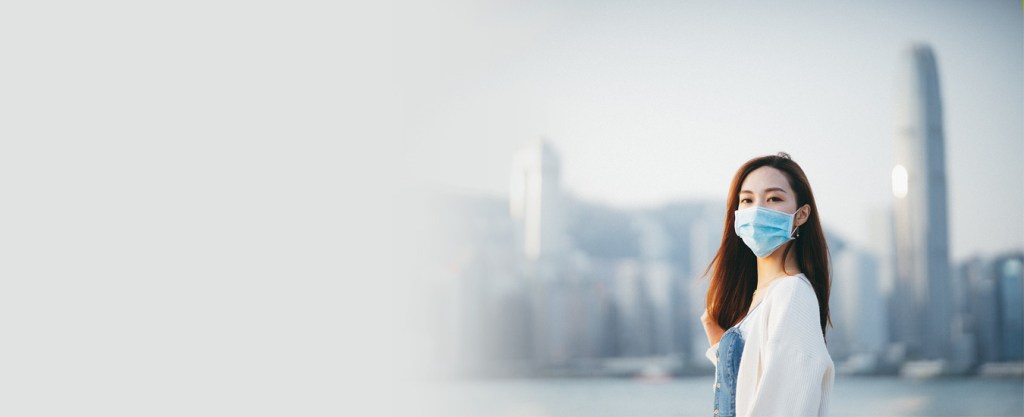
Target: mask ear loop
(797, 230)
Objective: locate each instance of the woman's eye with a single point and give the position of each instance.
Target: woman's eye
(745, 200)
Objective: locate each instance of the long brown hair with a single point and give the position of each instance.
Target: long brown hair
(734, 276)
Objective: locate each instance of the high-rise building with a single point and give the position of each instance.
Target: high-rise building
(1009, 270)
(538, 209)
(922, 277)
(982, 306)
(536, 202)
(856, 306)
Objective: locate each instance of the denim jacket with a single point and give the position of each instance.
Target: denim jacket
(729, 353)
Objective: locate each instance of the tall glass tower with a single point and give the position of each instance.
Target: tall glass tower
(922, 301)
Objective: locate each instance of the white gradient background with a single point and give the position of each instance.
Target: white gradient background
(214, 208)
(202, 211)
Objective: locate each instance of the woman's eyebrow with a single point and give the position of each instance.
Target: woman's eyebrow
(766, 190)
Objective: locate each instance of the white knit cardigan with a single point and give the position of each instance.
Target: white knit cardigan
(785, 369)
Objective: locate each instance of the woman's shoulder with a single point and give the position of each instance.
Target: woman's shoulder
(794, 288)
(795, 282)
(792, 318)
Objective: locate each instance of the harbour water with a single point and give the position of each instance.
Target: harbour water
(609, 397)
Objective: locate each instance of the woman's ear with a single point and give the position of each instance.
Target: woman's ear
(803, 215)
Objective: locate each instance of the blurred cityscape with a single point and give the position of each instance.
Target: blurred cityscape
(543, 283)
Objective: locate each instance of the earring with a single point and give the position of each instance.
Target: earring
(798, 231)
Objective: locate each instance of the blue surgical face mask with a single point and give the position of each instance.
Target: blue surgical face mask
(763, 229)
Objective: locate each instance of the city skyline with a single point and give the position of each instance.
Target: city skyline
(534, 289)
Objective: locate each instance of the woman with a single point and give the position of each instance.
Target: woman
(770, 289)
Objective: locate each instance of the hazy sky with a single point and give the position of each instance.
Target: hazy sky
(658, 102)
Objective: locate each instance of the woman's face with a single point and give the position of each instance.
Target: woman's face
(767, 187)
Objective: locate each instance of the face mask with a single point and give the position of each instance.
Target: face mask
(764, 230)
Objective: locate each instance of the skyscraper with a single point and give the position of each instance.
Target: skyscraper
(536, 202)
(538, 207)
(922, 297)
